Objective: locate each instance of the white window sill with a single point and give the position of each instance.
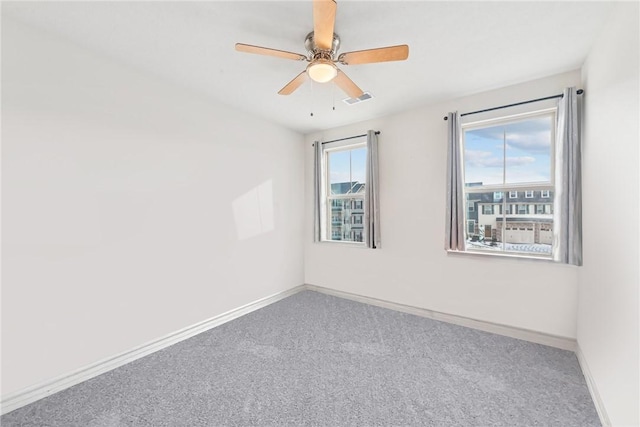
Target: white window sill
(344, 243)
(543, 258)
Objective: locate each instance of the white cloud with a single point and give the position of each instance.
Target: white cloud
(536, 142)
(520, 161)
(532, 136)
(486, 159)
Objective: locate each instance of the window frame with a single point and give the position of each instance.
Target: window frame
(511, 190)
(328, 198)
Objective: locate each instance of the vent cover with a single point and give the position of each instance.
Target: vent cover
(364, 97)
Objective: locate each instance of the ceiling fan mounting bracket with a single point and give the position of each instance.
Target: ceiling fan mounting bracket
(313, 50)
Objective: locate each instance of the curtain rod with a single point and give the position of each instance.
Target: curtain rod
(579, 92)
(349, 137)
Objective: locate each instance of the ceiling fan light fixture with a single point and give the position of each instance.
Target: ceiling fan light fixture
(322, 71)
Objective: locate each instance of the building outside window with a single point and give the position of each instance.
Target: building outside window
(510, 156)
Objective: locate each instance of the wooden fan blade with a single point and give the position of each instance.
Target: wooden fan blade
(383, 54)
(324, 19)
(241, 47)
(294, 84)
(347, 85)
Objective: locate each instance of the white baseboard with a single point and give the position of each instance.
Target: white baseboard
(38, 391)
(591, 385)
(564, 343)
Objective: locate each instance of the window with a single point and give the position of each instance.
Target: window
(344, 189)
(507, 156)
(471, 207)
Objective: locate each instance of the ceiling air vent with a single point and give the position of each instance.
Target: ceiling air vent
(364, 97)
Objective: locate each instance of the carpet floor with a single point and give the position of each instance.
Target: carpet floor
(314, 359)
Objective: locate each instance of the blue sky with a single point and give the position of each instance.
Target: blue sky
(345, 166)
(528, 152)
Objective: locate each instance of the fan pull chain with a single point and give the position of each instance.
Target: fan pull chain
(312, 97)
(333, 96)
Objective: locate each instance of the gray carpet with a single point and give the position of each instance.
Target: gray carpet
(313, 359)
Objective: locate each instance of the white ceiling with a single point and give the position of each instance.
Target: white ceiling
(455, 48)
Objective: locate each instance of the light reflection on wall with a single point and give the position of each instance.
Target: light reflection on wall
(253, 211)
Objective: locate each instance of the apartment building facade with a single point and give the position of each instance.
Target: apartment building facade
(523, 216)
(347, 212)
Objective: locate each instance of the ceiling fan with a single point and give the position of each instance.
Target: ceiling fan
(322, 45)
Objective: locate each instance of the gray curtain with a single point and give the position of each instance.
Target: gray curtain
(568, 177)
(371, 194)
(317, 191)
(454, 221)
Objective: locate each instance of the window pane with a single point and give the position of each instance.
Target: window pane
(358, 164)
(528, 147)
(515, 152)
(347, 171)
(524, 229)
(483, 156)
(346, 220)
(339, 165)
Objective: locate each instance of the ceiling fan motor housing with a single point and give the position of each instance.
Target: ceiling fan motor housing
(313, 50)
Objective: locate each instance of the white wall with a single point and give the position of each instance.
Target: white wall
(412, 266)
(119, 218)
(608, 283)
